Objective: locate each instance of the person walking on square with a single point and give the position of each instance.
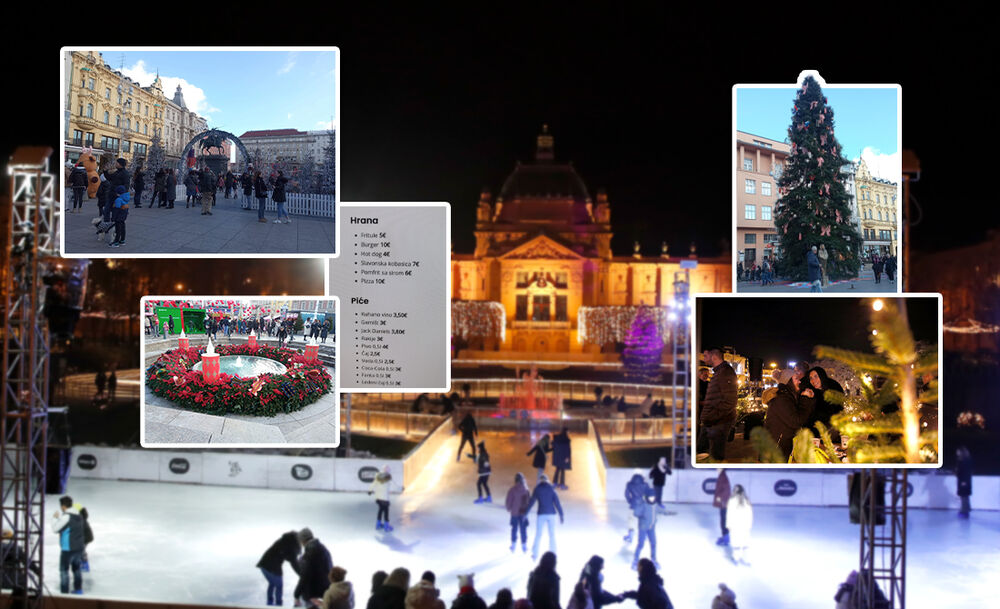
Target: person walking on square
(207, 187)
(246, 180)
(516, 503)
(814, 269)
(548, 506)
(482, 483)
(68, 524)
(191, 184)
(78, 182)
(170, 188)
(138, 185)
(278, 196)
(119, 214)
(717, 412)
(877, 267)
(260, 191)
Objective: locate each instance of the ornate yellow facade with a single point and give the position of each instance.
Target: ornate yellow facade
(543, 251)
(109, 111)
(877, 207)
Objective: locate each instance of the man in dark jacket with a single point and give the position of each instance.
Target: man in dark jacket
(548, 506)
(469, 431)
(594, 581)
(815, 270)
(314, 569)
(68, 523)
(562, 458)
(286, 548)
(392, 593)
(543, 584)
(650, 594)
(718, 410)
(120, 177)
(635, 492)
(138, 185)
(207, 184)
(78, 182)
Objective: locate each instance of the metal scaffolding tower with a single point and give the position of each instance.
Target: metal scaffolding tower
(882, 515)
(32, 238)
(680, 419)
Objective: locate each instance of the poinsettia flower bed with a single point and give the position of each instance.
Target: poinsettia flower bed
(172, 378)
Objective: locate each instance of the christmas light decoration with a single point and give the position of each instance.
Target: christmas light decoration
(603, 325)
(478, 319)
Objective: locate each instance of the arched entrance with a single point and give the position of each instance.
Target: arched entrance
(244, 158)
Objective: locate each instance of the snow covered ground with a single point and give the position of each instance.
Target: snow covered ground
(187, 543)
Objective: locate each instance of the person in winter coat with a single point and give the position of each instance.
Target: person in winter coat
(482, 483)
(340, 594)
(963, 475)
(562, 458)
(543, 584)
(815, 273)
(119, 214)
(467, 597)
(469, 431)
(505, 599)
(68, 524)
(646, 515)
(635, 493)
(517, 501)
(424, 595)
(207, 186)
(380, 488)
(120, 177)
(717, 412)
(721, 501)
(877, 268)
(260, 191)
(191, 186)
(725, 599)
(581, 598)
(378, 578)
(548, 506)
(785, 413)
(658, 476)
(279, 198)
(740, 520)
(286, 548)
(170, 188)
(650, 594)
(823, 408)
(314, 569)
(540, 449)
(157, 194)
(391, 594)
(78, 182)
(593, 578)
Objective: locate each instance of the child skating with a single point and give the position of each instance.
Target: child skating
(483, 464)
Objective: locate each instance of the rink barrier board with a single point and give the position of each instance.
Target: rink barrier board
(601, 459)
(420, 457)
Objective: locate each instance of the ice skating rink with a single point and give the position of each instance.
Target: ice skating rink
(187, 543)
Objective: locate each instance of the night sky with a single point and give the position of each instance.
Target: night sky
(787, 329)
(641, 105)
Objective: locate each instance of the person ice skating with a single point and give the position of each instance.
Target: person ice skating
(539, 449)
(717, 412)
(593, 578)
(380, 488)
(725, 599)
(548, 507)
(482, 483)
(340, 594)
(562, 458)
(314, 570)
(517, 501)
(392, 593)
(646, 515)
(112, 382)
(68, 523)
(740, 520)
(285, 548)
(658, 475)
(635, 493)
(469, 431)
(721, 501)
(650, 594)
(423, 594)
(467, 597)
(505, 599)
(963, 476)
(543, 584)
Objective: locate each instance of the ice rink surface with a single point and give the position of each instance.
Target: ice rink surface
(200, 544)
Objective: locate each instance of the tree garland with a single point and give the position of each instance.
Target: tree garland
(172, 378)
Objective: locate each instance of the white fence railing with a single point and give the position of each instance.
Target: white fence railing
(296, 204)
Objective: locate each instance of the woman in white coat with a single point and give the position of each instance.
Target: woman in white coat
(739, 520)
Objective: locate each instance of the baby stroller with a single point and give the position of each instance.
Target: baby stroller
(105, 229)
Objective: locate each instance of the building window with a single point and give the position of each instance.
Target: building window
(90, 84)
(750, 238)
(765, 189)
(561, 309)
(521, 307)
(879, 213)
(89, 140)
(751, 187)
(128, 124)
(119, 98)
(750, 212)
(540, 308)
(118, 121)
(107, 94)
(81, 109)
(107, 118)
(747, 164)
(90, 110)
(876, 200)
(144, 131)
(77, 137)
(147, 109)
(765, 212)
(126, 146)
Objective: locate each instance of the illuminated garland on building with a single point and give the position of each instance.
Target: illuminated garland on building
(478, 319)
(603, 325)
(972, 327)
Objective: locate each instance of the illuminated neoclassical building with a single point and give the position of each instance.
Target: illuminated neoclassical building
(543, 282)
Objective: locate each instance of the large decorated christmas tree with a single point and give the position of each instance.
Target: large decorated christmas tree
(815, 208)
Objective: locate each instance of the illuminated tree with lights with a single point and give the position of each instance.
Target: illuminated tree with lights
(643, 347)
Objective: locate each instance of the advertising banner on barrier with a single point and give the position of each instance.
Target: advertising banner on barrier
(180, 467)
(94, 462)
(785, 488)
(234, 469)
(698, 485)
(312, 473)
(358, 474)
